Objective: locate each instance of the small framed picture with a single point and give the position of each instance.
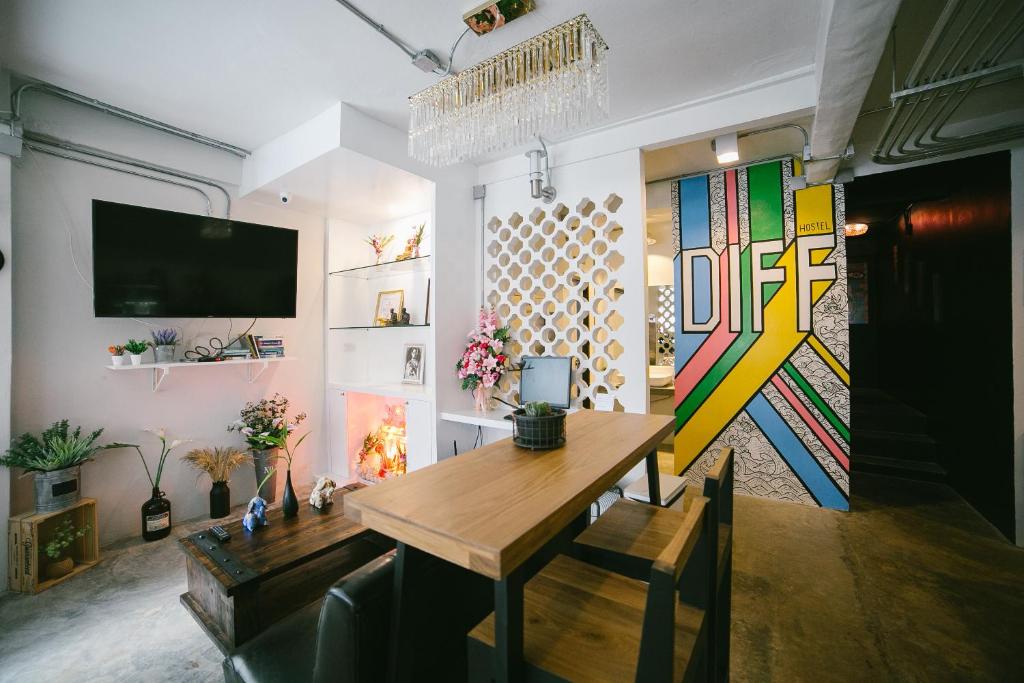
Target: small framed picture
(389, 307)
(413, 358)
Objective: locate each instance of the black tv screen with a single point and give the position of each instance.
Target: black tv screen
(164, 264)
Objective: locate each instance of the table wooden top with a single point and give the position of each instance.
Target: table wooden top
(284, 543)
(490, 509)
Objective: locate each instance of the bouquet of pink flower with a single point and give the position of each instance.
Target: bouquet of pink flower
(484, 361)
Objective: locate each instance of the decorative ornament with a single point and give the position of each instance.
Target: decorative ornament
(255, 514)
(322, 493)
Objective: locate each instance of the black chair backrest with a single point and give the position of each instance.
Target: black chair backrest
(355, 621)
(683, 567)
(718, 485)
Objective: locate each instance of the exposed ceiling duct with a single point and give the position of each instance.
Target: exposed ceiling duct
(963, 91)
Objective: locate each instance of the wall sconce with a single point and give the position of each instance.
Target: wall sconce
(726, 148)
(856, 229)
(540, 179)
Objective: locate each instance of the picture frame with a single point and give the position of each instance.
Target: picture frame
(387, 301)
(413, 363)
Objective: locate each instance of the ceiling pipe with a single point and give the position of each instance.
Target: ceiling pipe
(19, 94)
(66, 145)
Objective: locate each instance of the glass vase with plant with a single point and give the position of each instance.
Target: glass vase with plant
(135, 349)
(156, 512)
(163, 344)
(484, 361)
(63, 537)
(379, 243)
(56, 457)
(218, 463)
(116, 354)
(262, 424)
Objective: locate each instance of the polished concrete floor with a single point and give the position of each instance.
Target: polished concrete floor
(911, 586)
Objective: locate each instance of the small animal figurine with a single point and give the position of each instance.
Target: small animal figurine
(322, 493)
(255, 514)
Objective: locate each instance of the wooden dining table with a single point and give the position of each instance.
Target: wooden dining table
(493, 509)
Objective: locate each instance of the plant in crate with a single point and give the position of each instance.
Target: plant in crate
(484, 362)
(56, 458)
(263, 423)
(163, 344)
(116, 354)
(63, 537)
(135, 349)
(156, 512)
(218, 463)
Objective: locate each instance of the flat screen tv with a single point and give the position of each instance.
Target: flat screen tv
(164, 264)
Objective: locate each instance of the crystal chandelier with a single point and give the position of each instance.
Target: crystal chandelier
(552, 83)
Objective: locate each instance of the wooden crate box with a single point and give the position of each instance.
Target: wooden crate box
(28, 534)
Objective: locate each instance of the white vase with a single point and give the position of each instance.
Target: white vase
(117, 361)
(136, 358)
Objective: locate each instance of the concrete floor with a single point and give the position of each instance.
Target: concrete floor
(911, 585)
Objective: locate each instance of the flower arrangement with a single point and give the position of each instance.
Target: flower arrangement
(63, 536)
(383, 454)
(165, 337)
(412, 245)
(379, 244)
(483, 362)
(165, 450)
(217, 462)
(116, 350)
(136, 347)
(56, 449)
(265, 424)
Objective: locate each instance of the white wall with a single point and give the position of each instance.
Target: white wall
(1017, 301)
(60, 348)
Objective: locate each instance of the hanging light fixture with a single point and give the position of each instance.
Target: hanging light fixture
(856, 229)
(552, 83)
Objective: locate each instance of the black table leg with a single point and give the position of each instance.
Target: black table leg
(508, 628)
(653, 480)
(409, 566)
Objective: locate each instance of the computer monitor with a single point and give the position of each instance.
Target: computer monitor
(546, 378)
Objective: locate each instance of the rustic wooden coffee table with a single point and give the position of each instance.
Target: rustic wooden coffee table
(239, 588)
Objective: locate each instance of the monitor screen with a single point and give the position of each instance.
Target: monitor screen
(546, 378)
(165, 264)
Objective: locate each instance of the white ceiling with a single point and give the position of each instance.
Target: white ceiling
(247, 71)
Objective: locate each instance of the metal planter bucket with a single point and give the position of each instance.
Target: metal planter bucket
(58, 489)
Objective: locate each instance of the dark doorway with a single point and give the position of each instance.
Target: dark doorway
(930, 332)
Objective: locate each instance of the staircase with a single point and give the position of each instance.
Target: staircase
(891, 438)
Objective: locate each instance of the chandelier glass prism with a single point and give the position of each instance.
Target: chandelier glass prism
(553, 83)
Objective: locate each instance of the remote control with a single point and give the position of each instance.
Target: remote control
(220, 533)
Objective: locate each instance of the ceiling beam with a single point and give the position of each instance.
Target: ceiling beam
(851, 40)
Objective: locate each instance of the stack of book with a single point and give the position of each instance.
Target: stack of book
(265, 347)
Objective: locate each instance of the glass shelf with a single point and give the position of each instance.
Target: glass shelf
(379, 327)
(420, 264)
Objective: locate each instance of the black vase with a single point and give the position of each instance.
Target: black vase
(220, 500)
(289, 504)
(156, 517)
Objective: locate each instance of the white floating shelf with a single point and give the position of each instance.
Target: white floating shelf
(254, 367)
(418, 392)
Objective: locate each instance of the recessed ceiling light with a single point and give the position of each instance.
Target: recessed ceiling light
(856, 229)
(726, 148)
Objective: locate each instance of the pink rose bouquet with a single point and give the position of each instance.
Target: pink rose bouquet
(484, 360)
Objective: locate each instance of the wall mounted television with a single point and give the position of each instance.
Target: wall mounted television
(164, 264)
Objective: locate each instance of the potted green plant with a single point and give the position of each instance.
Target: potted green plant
(135, 350)
(156, 512)
(262, 424)
(56, 458)
(63, 537)
(163, 344)
(218, 463)
(116, 354)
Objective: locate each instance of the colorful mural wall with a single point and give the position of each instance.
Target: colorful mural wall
(762, 337)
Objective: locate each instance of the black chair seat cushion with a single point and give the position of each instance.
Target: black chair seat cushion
(284, 652)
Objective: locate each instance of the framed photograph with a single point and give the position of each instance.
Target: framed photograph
(413, 363)
(388, 302)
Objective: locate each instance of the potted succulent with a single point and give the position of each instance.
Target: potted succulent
(263, 424)
(116, 354)
(64, 536)
(156, 512)
(135, 349)
(218, 463)
(56, 458)
(163, 344)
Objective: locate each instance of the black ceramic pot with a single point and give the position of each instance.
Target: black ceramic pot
(220, 500)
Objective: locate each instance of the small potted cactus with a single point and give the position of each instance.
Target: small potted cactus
(135, 349)
(116, 354)
(538, 426)
(163, 344)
